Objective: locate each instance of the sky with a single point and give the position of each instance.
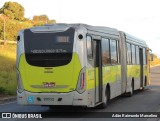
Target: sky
(140, 18)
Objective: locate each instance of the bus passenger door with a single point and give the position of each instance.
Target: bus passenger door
(141, 66)
(98, 70)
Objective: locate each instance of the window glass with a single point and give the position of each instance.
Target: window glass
(105, 52)
(133, 55)
(137, 54)
(47, 49)
(113, 49)
(144, 56)
(89, 47)
(128, 53)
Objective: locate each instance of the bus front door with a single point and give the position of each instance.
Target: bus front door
(98, 70)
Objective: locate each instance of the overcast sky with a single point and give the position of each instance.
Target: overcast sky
(140, 18)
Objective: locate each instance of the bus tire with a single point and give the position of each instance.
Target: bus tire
(104, 104)
(145, 84)
(131, 89)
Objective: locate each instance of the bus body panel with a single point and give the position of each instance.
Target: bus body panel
(63, 80)
(133, 74)
(70, 98)
(123, 60)
(134, 70)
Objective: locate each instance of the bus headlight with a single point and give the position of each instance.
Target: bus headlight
(19, 83)
(81, 85)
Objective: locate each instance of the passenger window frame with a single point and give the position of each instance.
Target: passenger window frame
(115, 42)
(89, 55)
(109, 59)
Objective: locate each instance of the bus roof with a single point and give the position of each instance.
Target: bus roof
(100, 29)
(135, 40)
(89, 27)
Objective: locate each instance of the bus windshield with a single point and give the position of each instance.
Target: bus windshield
(47, 49)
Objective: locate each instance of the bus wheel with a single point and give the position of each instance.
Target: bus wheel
(105, 101)
(131, 90)
(145, 84)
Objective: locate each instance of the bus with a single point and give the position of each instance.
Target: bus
(79, 65)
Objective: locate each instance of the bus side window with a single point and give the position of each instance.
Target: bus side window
(128, 53)
(89, 48)
(105, 52)
(144, 56)
(113, 50)
(133, 54)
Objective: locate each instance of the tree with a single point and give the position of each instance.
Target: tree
(41, 20)
(35, 18)
(13, 27)
(52, 22)
(13, 14)
(13, 10)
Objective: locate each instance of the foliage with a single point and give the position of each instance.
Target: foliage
(51, 21)
(1, 28)
(13, 10)
(42, 19)
(12, 20)
(12, 27)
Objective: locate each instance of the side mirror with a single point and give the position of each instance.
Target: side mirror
(151, 57)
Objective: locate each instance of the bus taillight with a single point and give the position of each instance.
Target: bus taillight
(81, 82)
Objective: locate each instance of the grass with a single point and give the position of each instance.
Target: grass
(8, 70)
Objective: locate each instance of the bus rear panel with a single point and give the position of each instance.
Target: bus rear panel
(48, 69)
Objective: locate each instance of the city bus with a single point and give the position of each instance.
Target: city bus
(79, 65)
